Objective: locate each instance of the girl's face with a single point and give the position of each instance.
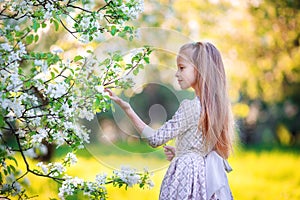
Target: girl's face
(186, 72)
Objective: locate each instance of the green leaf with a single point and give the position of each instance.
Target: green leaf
(35, 25)
(117, 57)
(55, 70)
(113, 30)
(128, 29)
(19, 33)
(29, 39)
(44, 25)
(122, 34)
(56, 24)
(146, 59)
(36, 38)
(27, 84)
(2, 123)
(13, 168)
(76, 58)
(141, 66)
(135, 71)
(128, 66)
(52, 75)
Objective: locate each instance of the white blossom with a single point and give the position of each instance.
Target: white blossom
(38, 62)
(5, 103)
(82, 134)
(101, 179)
(59, 138)
(38, 138)
(100, 15)
(16, 83)
(128, 175)
(13, 67)
(15, 107)
(68, 111)
(56, 90)
(17, 188)
(68, 186)
(57, 168)
(22, 48)
(68, 125)
(57, 50)
(43, 64)
(13, 56)
(20, 133)
(43, 149)
(44, 168)
(71, 157)
(99, 88)
(85, 114)
(150, 183)
(84, 38)
(49, 9)
(85, 22)
(133, 12)
(30, 153)
(39, 84)
(6, 46)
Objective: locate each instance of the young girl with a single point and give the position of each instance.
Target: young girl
(203, 128)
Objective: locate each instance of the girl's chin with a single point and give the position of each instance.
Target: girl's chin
(183, 87)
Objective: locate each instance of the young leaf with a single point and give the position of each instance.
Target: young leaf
(113, 30)
(78, 58)
(146, 59)
(36, 38)
(135, 71)
(56, 24)
(35, 25)
(29, 39)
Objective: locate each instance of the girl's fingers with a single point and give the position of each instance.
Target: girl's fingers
(169, 152)
(109, 92)
(169, 149)
(111, 95)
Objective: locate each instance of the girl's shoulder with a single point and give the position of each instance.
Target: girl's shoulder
(190, 102)
(191, 105)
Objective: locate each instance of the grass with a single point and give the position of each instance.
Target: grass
(257, 174)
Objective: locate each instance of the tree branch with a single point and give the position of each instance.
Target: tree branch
(71, 32)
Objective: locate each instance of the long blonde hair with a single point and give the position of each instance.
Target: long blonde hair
(216, 120)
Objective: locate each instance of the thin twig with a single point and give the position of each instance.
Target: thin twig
(72, 32)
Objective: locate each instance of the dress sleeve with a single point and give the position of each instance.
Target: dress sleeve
(180, 123)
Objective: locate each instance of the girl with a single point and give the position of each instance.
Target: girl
(203, 128)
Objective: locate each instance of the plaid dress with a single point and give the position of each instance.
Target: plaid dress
(186, 177)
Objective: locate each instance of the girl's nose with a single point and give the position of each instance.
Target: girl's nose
(177, 74)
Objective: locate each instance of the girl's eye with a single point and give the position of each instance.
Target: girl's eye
(181, 68)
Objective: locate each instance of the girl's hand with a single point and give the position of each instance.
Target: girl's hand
(123, 104)
(169, 152)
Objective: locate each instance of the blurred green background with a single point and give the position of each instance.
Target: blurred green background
(259, 41)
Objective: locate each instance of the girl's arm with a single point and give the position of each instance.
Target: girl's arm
(136, 120)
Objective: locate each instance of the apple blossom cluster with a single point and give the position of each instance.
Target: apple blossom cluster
(132, 8)
(43, 97)
(97, 190)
